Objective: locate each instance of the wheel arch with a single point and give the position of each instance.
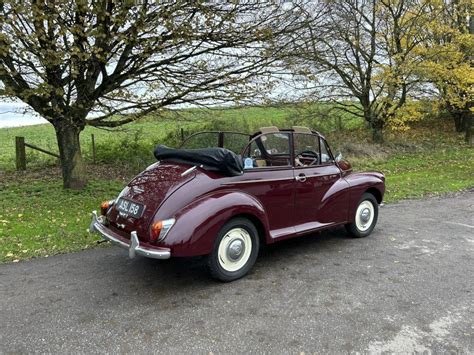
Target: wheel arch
(262, 231)
(360, 183)
(198, 224)
(376, 193)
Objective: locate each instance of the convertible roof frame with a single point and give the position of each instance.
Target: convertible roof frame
(262, 130)
(269, 129)
(301, 129)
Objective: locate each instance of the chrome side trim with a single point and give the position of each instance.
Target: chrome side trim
(257, 180)
(190, 170)
(134, 247)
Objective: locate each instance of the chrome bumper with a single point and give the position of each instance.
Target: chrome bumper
(133, 247)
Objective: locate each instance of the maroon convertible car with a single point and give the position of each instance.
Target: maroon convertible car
(235, 193)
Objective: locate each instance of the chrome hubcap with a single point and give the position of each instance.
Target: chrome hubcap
(365, 215)
(235, 249)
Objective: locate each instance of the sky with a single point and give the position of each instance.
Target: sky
(12, 114)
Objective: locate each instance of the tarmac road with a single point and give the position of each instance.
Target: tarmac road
(407, 287)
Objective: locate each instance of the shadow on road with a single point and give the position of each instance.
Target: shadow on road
(181, 274)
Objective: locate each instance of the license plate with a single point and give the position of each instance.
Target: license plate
(129, 208)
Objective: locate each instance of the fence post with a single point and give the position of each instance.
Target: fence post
(93, 147)
(20, 153)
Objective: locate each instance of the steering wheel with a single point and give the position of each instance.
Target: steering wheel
(308, 155)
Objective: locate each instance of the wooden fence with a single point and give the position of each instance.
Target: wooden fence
(21, 146)
(21, 152)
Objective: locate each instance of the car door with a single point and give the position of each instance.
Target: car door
(317, 195)
(268, 176)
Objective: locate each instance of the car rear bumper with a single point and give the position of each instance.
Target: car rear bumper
(133, 245)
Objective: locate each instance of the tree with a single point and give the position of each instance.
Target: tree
(106, 63)
(359, 54)
(470, 122)
(447, 59)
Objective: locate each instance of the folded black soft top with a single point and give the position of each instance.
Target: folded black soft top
(220, 160)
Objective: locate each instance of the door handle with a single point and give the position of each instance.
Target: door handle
(300, 178)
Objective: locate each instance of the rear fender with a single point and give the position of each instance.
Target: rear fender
(198, 224)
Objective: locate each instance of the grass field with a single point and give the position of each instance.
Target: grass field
(39, 218)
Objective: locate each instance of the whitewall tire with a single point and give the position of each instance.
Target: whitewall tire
(365, 217)
(235, 250)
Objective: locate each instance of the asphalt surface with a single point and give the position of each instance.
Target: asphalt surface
(407, 287)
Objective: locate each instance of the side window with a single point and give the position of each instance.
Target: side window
(276, 143)
(201, 140)
(306, 149)
(325, 156)
(272, 149)
(235, 141)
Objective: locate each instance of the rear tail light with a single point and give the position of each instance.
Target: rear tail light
(104, 207)
(159, 229)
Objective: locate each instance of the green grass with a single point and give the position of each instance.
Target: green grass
(425, 173)
(39, 218)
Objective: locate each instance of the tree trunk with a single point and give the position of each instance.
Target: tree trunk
(470, 129)
(73, 170)
(469, 116)
(373, 121)
(377, 125)
(377, 135)
(460, 121)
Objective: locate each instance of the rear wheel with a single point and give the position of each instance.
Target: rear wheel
(235, 250)
(365, 217)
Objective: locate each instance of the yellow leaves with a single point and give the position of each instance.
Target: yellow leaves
(444, 54)
(412, 111)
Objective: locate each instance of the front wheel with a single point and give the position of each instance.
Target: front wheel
(365, 217)
(235, 250)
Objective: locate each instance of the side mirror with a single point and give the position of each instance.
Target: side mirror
(344, 165)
